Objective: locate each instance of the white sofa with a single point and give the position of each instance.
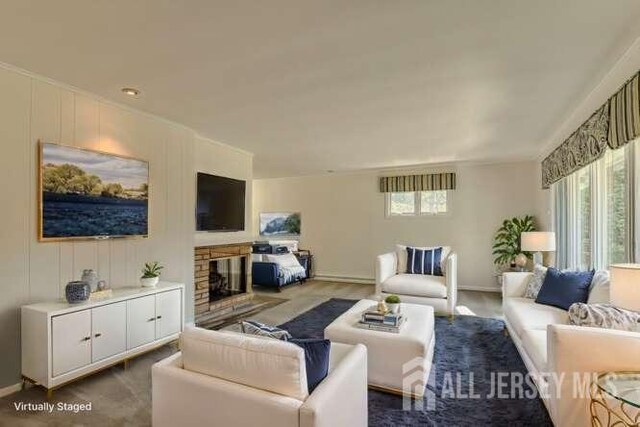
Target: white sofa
(440, 292)
(230, 379)
(556, 353)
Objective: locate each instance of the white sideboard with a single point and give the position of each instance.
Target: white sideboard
(62, 342)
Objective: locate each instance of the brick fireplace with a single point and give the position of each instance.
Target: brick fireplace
(222, 277)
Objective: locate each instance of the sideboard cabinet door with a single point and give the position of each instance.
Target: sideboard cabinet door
(109, 329)
(71, 341)
(168, 313)
(141, 321)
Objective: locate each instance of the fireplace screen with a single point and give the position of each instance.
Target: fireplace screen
(227, 277)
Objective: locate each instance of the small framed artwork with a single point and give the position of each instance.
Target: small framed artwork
(280, 224)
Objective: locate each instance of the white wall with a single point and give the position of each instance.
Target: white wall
(32, 109)
(344, 223)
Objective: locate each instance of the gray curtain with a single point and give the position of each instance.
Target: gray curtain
(561, 223)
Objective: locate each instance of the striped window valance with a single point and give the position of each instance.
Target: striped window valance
(424, 182)
(624, 114)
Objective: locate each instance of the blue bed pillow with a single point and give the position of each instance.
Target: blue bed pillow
(563, 288)
(316, 356)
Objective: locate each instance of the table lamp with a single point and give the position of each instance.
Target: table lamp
(625, 286)
(538, 242)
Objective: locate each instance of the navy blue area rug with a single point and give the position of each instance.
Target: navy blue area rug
(473, 374)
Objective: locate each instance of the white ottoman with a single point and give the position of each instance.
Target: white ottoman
(391, 357)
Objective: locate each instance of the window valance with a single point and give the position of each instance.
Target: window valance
(614, 124)
(424, 182)
(586, 145)
(625, 114)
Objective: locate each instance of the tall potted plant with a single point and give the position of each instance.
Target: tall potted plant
(506, 246)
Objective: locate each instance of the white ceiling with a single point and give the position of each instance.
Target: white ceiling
(335, 84)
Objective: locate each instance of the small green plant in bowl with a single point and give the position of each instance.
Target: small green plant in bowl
(392, 299)
(151, 274)
(393, 302)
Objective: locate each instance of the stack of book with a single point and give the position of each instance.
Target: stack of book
(388, 322)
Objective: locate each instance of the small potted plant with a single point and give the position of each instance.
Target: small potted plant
(150, 274)
(393, 302)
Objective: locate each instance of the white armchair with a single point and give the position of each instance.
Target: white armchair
(440, 292)
(225, 378)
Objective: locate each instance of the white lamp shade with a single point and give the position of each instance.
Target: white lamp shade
(538, 241)
(625, 286)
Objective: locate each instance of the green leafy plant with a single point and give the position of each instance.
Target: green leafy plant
(507, 239)
(151, 269)
(392, 299)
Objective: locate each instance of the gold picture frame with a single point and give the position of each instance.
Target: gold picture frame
(89, 152)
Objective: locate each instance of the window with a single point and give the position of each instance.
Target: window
(402, 203)
(416, 203)
(433, 202)
(618, 230)
(594, 212)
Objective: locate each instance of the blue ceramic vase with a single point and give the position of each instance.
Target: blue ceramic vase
(77, 292)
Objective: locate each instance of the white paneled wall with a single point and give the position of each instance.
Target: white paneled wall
(33, 109)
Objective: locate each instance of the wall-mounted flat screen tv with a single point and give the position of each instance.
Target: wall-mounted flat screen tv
(86, 194)
(220, 203)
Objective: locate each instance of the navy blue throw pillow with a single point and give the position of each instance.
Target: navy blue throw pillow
(316, 356)
(424, 261)
(563, 288)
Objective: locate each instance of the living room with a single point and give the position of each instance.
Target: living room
(330, 213)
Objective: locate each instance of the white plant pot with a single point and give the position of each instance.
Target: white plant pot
(394, 308)
(149, 282)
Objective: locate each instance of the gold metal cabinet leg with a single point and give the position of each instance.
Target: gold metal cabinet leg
(505, 331)
(451, 318)
(49, 393)
(125, 363)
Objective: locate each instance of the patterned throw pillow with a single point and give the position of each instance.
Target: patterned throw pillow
(604, 316)
(424, 261)
(536, 281)
(252, 327)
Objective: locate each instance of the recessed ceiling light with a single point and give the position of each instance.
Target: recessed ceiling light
(330, 171)
(130, 91)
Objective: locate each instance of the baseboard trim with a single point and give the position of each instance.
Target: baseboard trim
(345, 279)
(479, 289)
(6, 391)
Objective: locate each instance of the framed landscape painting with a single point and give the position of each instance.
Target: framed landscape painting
(280, 224)
(86, 194)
